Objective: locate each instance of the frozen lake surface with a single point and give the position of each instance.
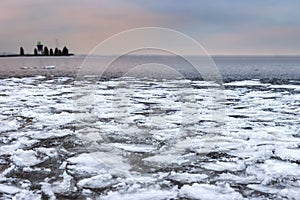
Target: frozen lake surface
(148, 139)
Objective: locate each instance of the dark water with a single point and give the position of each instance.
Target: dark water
(259, 67)
(265, 68)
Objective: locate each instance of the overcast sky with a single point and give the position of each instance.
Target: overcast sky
(221, 27)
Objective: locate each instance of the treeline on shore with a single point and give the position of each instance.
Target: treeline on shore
(47, 52)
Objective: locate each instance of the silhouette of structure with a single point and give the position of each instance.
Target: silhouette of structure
(65, 51)
(56, 51)
(43, 50)
(40, 48)
(46, 51)
(21, 51)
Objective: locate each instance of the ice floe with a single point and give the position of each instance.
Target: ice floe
(25, 158)
(49, 67)
(209, 192)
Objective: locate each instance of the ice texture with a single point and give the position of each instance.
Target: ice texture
(133, 138)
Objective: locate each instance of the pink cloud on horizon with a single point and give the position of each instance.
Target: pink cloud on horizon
(83, 24)
(79, 25)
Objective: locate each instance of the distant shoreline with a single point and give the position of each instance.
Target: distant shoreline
(32, 55)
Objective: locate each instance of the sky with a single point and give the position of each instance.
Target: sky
(223, 27)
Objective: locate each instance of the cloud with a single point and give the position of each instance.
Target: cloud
(80, 25)
(254, 40)
(235, 26)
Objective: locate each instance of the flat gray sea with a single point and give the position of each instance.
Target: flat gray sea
(150, 137)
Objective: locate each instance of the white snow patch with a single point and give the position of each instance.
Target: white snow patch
(290, 193)
(246, 83)
(99, 181)
(65, 186)
(142, 194)
(288, 154)
(209, 192)
(98, 163)
(293, 87)
(25, 158)
(49, 67)
(27, 194)
(187, 177)
(139, 148)
(7, 189)
(6, 126)
(225, 166)
(50, 134)
(51, 152)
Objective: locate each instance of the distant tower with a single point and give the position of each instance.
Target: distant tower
(40, 49)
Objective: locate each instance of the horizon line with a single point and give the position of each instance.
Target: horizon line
(81, 54)
(213, 55)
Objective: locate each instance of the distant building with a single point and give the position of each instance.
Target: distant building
(40, 49)
(43, 50)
